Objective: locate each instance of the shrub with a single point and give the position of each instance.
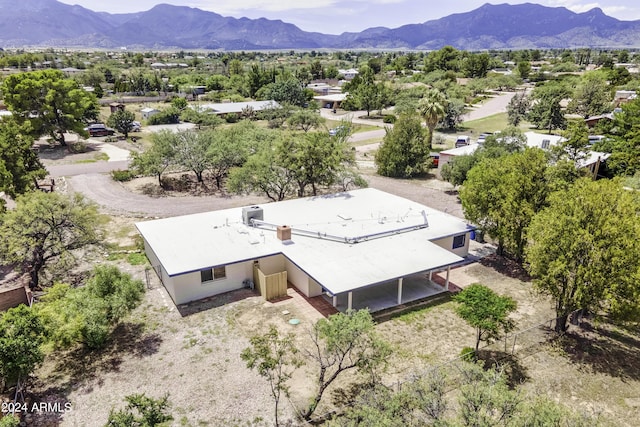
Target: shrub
(167, 116)
(231, 118)
(122, 175)
(389, 118)
(468, 354)
(78, 147)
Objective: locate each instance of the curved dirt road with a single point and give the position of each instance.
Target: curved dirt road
(114, 198)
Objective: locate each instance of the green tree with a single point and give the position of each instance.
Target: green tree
(224, 152)
(341, 343)
(524, 69)
(305, 120)
(592, 96)
(403, 152)
(141, 411)
(122, 121)
(274, 357)
(546, 111)
(583, 250)
(485, 311)
(201, 118)
(456, 170)
(433, 108)
(369, 95)
(314, 159)
(52, 104)
(45, 229)
(19, 164)
(264, 174)
(485, 399)
(159, 157)
(501, 195)
(624, 141)
(21, 338)
(517, 109)
(191, 152)
(87, 314)
(288, 91)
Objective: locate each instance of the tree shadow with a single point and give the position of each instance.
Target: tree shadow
(87, 365)
(215, 301)
(82, 367)
(514, 371)
(506, 267)
(604, 348)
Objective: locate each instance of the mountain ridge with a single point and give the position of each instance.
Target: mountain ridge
(491, 26)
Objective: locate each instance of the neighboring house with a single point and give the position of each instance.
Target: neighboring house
(624, 96)
(350, 247)
(236, 107)
(348, 74)
(331, 101)
(592, 160)
(594, 120)
(116, 106)
(148, 112)
(324, 88)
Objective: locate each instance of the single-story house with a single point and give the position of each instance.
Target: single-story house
(348, 74)
(345, 246)
(236, 107)
(592, 121)
(592, 159)
(331, 101)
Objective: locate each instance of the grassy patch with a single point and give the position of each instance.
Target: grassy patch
(136, 258)
(496, 122)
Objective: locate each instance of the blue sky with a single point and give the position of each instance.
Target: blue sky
(337, 16)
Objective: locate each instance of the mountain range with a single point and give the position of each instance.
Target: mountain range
(49, 23)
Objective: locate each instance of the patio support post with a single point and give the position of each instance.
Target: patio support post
(430, 274)
(335, 300)
(350, 300)
(400, 291)
(446, 283)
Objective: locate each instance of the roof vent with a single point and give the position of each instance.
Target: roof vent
(252, 212)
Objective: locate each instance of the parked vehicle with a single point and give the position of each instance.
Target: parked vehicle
(99, 129)
(136, 127)
(338, 130)
(435, 158)
(462, 140)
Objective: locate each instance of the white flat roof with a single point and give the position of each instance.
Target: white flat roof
(237, 107)
(333, 97)
(343, 241)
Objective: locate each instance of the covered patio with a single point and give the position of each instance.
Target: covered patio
(390, 293)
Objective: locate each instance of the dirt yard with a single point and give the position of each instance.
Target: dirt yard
(193, 353)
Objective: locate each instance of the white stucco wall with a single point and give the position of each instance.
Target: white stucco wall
(188, 287)
(297, 277)
(314, 288)
(447, 243)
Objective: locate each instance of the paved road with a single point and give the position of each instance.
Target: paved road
(495, 105)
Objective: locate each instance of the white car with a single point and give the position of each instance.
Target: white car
(136, 127)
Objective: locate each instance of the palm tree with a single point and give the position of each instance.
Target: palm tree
(433, 108)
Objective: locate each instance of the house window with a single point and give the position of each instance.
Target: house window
(458, 241)
(219, 273)
(211, 274)
(206, 275)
